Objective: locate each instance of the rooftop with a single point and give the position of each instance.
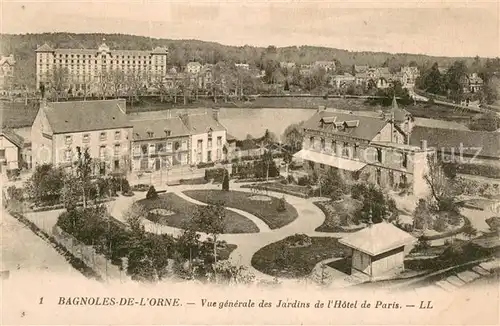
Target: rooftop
(377, 239)
(366, 128)
(200, 123)
(488, 143)
(157, 128)
(13, 137)
(77, 116)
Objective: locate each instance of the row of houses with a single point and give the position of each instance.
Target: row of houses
(118, 142)
(381, 77)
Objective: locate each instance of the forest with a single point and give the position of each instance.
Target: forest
(182, 51)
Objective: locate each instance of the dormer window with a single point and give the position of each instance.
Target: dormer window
(168, 133)
(150, 134)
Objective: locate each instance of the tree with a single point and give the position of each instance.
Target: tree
(456, 79)
(59, 81)
(491, 87)
(83, 172)
(46, 183)
(441, 187)
(232, 274)
(431, 80)
(225, 181)
(293, 136)
(210, 218)
(376, 206)
(133, 216)
(422, 218)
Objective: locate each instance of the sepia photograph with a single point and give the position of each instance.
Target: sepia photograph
(250, 162)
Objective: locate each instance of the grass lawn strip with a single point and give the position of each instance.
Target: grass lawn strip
(182, 211)
(265, 210)
(279, 260)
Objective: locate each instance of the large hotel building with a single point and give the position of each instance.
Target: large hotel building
(86, 67)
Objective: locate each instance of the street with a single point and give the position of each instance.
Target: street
(23, 252)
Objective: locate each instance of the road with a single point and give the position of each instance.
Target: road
(23, 252)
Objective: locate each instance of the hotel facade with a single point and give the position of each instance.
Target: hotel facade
(86, 68)
(362, 147)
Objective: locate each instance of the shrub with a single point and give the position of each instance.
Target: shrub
(439, 224)
(298, 240)
(225, 181)
(15, 193)
(151, 194)
(358, 190)
(140, 187)
(303, 181)
(281, 205)
(290, 179)
(12, 174)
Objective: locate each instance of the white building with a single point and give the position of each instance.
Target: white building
(11, 145)
(378, 250)
(208, 138)
(101, 126)
(193, 67)
(87, 67)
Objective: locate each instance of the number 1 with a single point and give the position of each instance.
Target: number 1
(41, 300)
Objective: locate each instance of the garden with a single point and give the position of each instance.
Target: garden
(169, 209)
(296, 256)
(275, 212)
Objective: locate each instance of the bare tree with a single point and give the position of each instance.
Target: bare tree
(59, 80)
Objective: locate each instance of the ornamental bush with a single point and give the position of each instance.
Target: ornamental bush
(152, 194)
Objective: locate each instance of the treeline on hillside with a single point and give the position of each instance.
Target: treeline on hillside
(454, 82)
(182, 51)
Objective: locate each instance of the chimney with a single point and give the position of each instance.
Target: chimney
(215, 114)
(423, 144)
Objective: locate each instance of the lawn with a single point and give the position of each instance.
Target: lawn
(265, 210)
(339, 215)
(290, 189)
(280, 260)
(182, 210)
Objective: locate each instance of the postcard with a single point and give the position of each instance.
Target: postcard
(250, 162)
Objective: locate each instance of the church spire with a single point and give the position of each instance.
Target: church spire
(394, 103)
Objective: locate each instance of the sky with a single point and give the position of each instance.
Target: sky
(444, 27)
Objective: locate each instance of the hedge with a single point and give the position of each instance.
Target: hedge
(75, 262)
(61, 206)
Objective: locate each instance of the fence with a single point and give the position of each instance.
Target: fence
(88, 255)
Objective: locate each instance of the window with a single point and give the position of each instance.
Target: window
(199, 145)
(322, 144)
(2, 153)
(334, 147)
(209, 156)
(169, 146)
(404, 162)
(102, 136)
(118, 135)
(355, 153)
(117, 150)
(219, 141)
(159, 147)
(137, 150)
(219, 154)
(152, 149)
(102, 152)
(311, 142)
(321, 166)
(379, 155)
(86, 138)
(184, 145)
(209, 145)
(69, 139)
(144, 149)
(391, 178)
(67, 155)
(345, 149)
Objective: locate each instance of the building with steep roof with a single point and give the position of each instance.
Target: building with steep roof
(7, 64)
(208, 137)
(87, 67)
(60, 128)
(363, 147)
(378, 250)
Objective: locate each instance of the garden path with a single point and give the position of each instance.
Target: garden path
(309, 218)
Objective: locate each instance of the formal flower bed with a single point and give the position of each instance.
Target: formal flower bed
(339, 215)
(268, 211)
(289, 189)
(281, 259)
(181, 210)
